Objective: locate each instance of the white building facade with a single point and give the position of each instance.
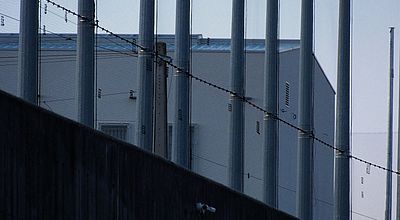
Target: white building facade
(115, 95)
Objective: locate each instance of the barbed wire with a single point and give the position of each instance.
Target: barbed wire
(228, 91)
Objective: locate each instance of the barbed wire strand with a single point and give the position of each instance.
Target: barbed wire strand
(244, 99)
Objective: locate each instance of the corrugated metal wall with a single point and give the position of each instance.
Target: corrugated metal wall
(53, 168)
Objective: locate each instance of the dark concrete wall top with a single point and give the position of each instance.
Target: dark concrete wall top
(54, 168)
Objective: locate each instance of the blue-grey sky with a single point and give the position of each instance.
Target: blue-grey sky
(370, 61)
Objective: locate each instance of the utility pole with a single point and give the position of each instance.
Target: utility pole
(342, 160)
(181, 127)
(160, 108)
(304, 193)
(146, 76)
(271, 100)
(236, 124)
(85, 63)
(388, 210)
(28, 51)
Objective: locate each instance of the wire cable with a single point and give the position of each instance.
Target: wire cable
(72, 98)
(68, 38)
(244, 99)
(10, 17)
(66, 59)
(55, 14)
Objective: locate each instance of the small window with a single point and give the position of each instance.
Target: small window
(362, 194)
(118, 131)
(362, 180)
(287, 94)
(258, 127)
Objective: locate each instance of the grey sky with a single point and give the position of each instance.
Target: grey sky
(370, 59)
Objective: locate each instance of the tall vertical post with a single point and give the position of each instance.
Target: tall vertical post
(388, 209)
(271, 147)
(398, 157)
(146, 77)
(160, 108)
(304, 193)
(28, 51)
(236, 124)
(181, 127)
(342, 160)
(85, 63)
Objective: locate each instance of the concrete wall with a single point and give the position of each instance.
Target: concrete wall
(54, 168)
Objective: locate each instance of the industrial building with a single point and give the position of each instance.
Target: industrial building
(115, 97)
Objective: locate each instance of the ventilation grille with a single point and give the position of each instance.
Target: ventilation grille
(287, 94)
(118, 131)
(368, 169)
